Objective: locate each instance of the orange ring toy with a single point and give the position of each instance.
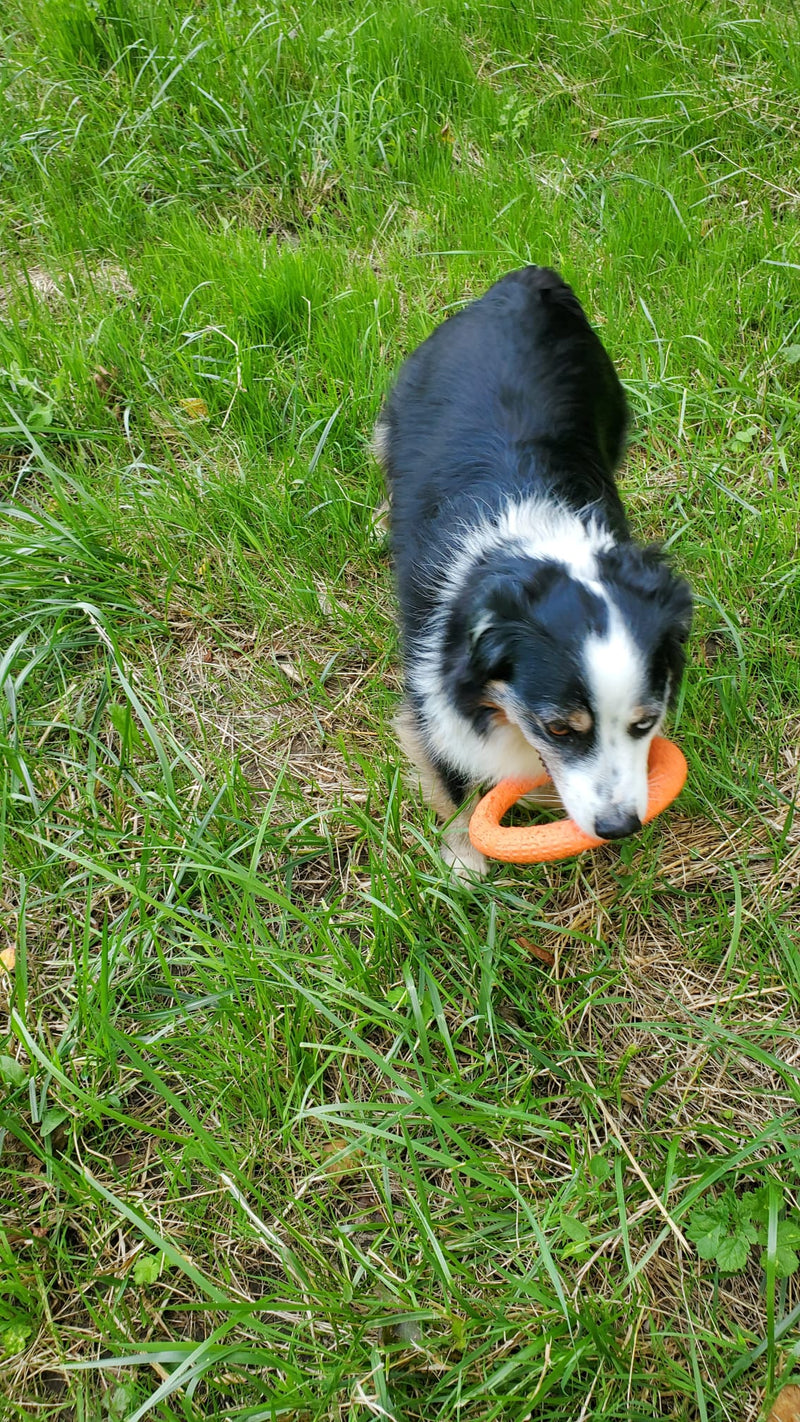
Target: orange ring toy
(538, 844)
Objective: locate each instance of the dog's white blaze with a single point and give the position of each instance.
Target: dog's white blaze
(615, 675)
(614, 779)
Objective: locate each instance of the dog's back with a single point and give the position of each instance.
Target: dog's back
(500, 402)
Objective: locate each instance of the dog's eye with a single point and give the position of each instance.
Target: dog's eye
(557, 728)
(640, 728)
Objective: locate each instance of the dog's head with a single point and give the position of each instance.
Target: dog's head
(585, 669)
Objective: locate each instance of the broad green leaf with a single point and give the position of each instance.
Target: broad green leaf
(121, 1401)
(708, 1244)
(786, 1261)
(786, 1257)
(705, 1221)
(53, 1117)
(575, 1229)
(12, 1072)
(756, 1204)
(732, 1253)
(599, 1168)
(14, 1338)
(147, 1268)
(788, 1233)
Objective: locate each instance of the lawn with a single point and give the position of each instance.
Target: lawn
(292, 1126)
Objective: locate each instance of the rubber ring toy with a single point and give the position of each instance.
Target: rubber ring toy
(540, 844)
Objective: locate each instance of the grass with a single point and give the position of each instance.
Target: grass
(294, 1127)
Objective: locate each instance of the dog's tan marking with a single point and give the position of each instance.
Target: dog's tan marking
(580, 721)
(644, 713)
(493, 698)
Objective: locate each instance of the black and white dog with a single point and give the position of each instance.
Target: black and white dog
(534, 630)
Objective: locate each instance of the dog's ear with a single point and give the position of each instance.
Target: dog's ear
(482, 633)
(529, 610)
(646, 575)
(503, 607)
(656, 603)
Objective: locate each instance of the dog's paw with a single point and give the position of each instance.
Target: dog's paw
(465, 861)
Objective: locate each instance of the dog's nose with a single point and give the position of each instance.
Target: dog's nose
(616, 824)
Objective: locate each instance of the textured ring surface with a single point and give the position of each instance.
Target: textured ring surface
(538, 844)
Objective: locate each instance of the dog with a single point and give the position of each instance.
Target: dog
(535, 633)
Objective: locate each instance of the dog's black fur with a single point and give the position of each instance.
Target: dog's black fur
(511, 415)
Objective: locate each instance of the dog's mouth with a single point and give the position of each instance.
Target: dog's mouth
(546, 765)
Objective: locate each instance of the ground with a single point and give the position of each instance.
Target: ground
(294, 1126)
